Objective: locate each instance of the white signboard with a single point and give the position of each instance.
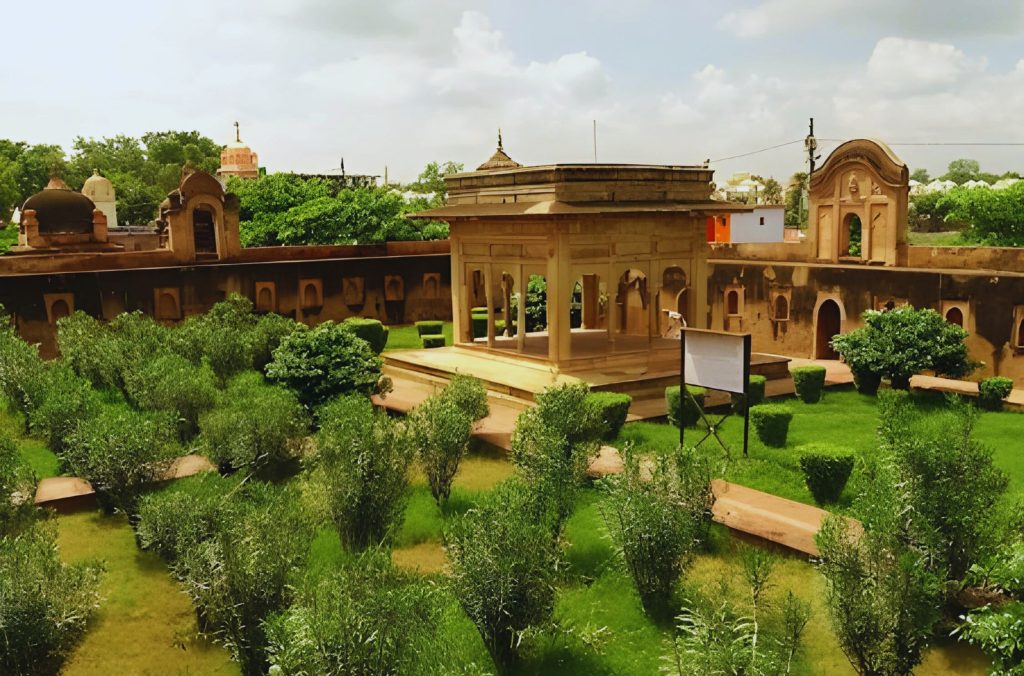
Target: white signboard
(715, 359)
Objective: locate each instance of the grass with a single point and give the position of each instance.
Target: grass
(145, 624)
(844, 419)
(34, 452)
(405, 337)
(934, 238)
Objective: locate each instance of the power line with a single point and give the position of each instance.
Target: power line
(762, 150)
(939, 143)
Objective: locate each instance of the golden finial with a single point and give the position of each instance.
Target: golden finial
(499, 139)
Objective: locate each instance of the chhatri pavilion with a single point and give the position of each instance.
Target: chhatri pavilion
(621, 249)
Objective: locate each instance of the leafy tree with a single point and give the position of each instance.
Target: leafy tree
(90, 349)
(431, 179)
(992, 217)
(795, 215)
(46, 604)
(65, 399)
(324, 362)
(503, 569)
(364, 459)
(552, 445)
(962, 170)
(772, 193)
(920, 175)
(179, 516)
(253, 425)
(17, 490)
(120, 451)
(900, 342)
(170, 383)
(22, 371)
(468, 394)
(441, 431)
(658, 522)
(365, 619)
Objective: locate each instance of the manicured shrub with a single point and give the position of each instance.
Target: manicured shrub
(826, 472)
(241, 575)
(683, 409)
(222, 336)
(866, 382)
(364, 459)
(254, 426)
(614, 407)
(46, 604)
(771, 422)
(809, 381)
(755, 391)
(138, 339)
(657, 522)
(171, 383)
(499, 327)
(469, 394)
(478, 323)
(120, 451)
(324, 362)
(433, 341)
(370, 330)
(552, 445)
(430, 328)
(992, 392)
(503, 569)
(365, 618)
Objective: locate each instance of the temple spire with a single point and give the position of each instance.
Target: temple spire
(499, 140)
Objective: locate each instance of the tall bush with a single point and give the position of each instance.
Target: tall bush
(22, 372)
(503, 569)
(254, 425)
(370, 330)
(364, 459)
(366, 618)
(64, 399)
(614, 407)
(120, 451)
(267, 334)
(441, 432)
(46, 604)
(324, 362)
(17, 490)
(992, 392)
(553, 444)
(223, 337)
(657, 523)
(90, 349)
(183, 514)
(469, 394)
(170, 383)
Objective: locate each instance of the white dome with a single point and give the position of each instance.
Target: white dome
(98, 188)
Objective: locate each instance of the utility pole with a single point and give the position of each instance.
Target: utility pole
(595, 141)
(811, 144)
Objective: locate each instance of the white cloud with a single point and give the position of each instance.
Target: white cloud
(902, 65)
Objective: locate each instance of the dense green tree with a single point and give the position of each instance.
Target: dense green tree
(962, 170)
(431, 179)
(993, 217)
(920, 175)
(795, 215)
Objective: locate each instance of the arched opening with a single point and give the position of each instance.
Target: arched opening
(167, 307)
(59, 309)
(671, 301)
(265, 300)
(310, 297)
(632, 300)
(955, 315)
(576, 306)
(203, 230)
(852, 236)
(781, 307)
(536, 304)
(829, 325)
(506, 320)
(1020, 334)
(732, 302)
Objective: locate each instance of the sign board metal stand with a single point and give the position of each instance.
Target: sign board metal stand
(742, 389)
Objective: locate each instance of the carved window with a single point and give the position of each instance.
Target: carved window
(732, 302)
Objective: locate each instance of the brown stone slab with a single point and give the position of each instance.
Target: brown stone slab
(60, 488)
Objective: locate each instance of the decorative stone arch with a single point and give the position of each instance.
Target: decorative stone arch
(862, 178)
(829, 320)
(353, 291)
(734, 306)
(780, 302)
(167, 304)
(311, 294)
(672, 297)
(957, 312)
(205, 214)
(1017, 331)
(633, 299)
(432, 285)
(58, 306)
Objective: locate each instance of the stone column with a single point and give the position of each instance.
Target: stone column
(520, 285)
(489, 295)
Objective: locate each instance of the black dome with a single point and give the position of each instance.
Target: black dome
(61, 210)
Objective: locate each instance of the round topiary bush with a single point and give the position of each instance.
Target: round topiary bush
(430, 328)
(808, 381)
(755, 391)
(992, 391)
(370, 330)
(771, 422)
(826, 471)
(688, 413)
(614, 409)
(433, 341)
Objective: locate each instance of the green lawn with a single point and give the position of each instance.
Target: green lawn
(405, 337)
(843, 418)
(934, 238)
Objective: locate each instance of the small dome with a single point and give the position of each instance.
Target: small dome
(98, 188)
(59, 209)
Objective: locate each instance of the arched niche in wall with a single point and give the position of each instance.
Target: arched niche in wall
(432, 285)
(734, 306)
(394, 288)
(633, 299)
(266, 297)
(1017, 332)
(829, 319)
(353, 291)
(780, 299)
(58, 305)
(167, 304)
(956, 312)
(311, 294)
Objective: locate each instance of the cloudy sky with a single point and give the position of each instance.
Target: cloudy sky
(404, 82)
